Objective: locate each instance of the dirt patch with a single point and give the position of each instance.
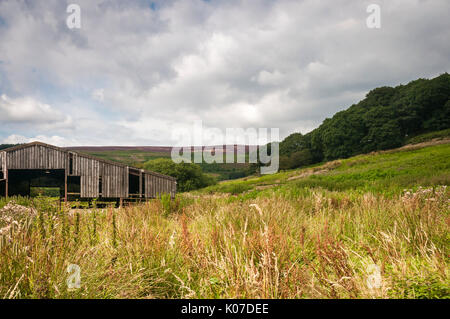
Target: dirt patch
(317, 170)
(408, 147)
(306, 174)
(435, 141)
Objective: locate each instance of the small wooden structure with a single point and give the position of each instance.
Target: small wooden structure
(76, 175)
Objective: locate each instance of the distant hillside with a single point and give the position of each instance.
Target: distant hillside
(159, 149)
(139, 155)
(121, 148)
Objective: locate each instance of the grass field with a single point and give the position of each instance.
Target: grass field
(371, 226)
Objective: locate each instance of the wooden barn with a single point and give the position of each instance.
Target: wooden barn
(76, 175)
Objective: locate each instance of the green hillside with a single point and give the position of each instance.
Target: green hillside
(129, 157)
(384, 171)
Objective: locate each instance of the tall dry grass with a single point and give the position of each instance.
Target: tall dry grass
(286, 244)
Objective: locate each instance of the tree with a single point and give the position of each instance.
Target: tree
(189, 176)
(293, 143)
(285, 162)
(301, 158)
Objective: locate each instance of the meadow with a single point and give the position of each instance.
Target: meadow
(371, 226)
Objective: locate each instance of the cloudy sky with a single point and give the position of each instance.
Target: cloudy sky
(137, 70)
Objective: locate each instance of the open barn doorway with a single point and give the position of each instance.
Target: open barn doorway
(73, 187)
(133, 184)
(2, 187)
(31, 182)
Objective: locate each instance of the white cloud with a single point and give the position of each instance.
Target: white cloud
(53, 140)
(98, 95)
(28, 110)
(269, 78)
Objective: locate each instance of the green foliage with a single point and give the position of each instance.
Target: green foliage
(173, 205)
(387, 171)
(234, 189)
(189, 176)
(226, 171)
(46, 204)
(45, 191)
(165, 202)
(294, 143)
(297, 159)
(431, 287)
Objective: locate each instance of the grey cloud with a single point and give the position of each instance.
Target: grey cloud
(286, 64)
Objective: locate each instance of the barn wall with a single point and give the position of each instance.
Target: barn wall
(89, 170)
(150, 188)
(148, 185)
(114, 180)
(3, 162)
(36, 157)
(157, 185)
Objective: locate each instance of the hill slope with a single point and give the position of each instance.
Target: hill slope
(424, 164)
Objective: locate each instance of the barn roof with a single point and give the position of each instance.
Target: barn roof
(22, 146)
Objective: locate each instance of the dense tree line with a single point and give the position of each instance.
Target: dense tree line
(385, 119)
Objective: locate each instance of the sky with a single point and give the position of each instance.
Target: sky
(136, 71)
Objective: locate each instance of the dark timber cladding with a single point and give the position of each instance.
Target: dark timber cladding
(91, 177)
